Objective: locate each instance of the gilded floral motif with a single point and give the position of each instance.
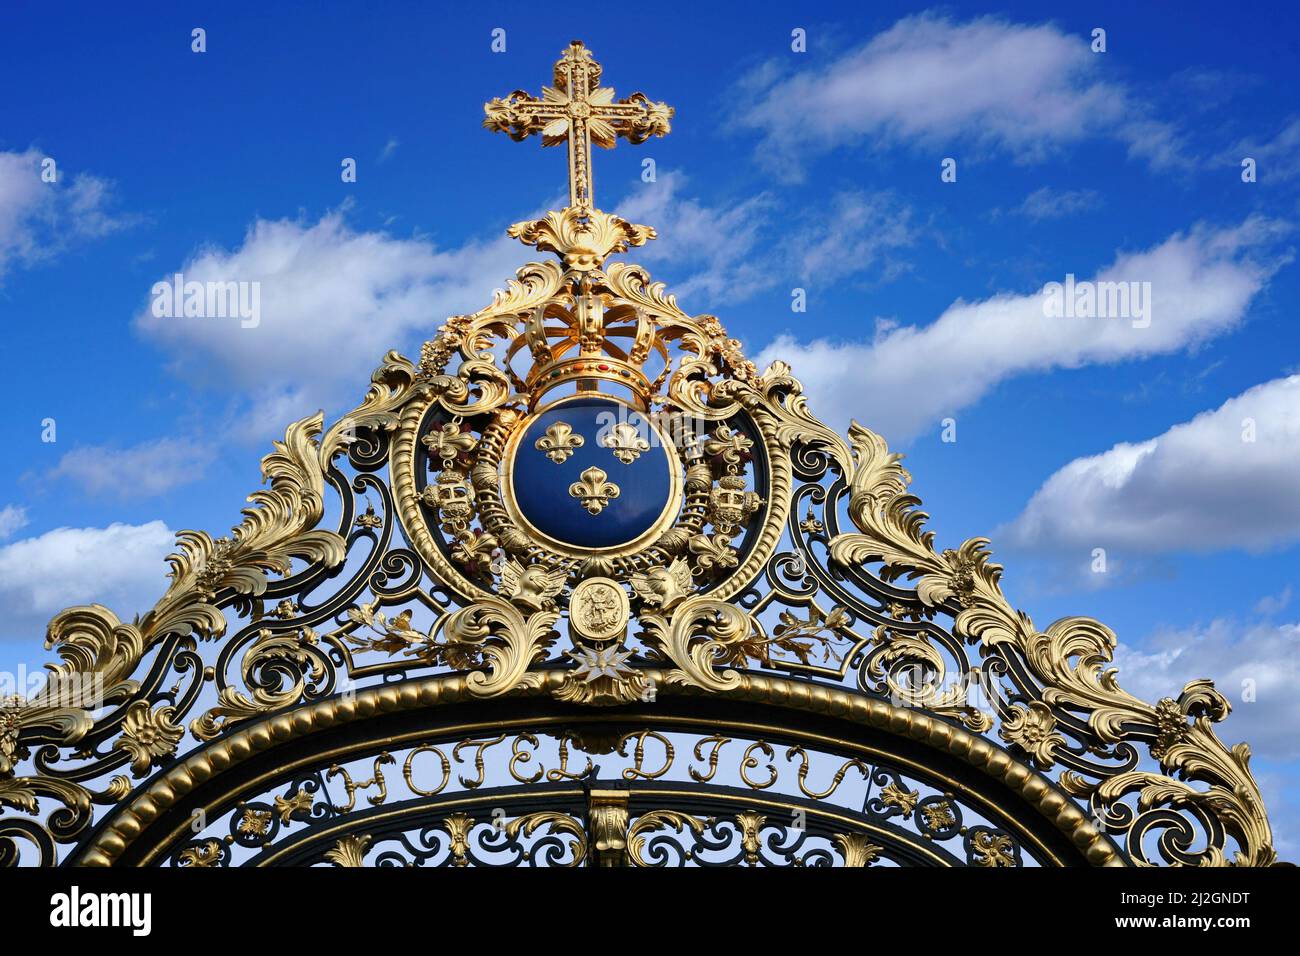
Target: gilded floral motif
(148, 735)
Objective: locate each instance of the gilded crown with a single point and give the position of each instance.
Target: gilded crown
(582, 336)
(585, 339)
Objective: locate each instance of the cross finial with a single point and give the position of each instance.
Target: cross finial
(579, 111)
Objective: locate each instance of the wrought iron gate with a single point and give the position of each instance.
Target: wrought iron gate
(583, 585)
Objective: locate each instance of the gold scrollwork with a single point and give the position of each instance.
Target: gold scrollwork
(556, 823)
(657, 820)
(1068, 661)
(510, 642)
(499, 589)
(100, 653)
(696, 634)
(277, 653)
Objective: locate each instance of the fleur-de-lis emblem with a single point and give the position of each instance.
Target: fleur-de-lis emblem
(626, 442)
(474, 548)
(449, 441)
(593, 490)
(713, 552)
(559, 442)
(728, 444)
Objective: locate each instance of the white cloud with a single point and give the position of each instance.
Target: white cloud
(1277, 159)
(862, 232)
(40, 219)
(718, 245)
(1273, 603)
(1197, 487)
(728, 253)
(12, 518)
(333, 301)
(910, 377)
(149, 468)
(1279, 789)
(121, 566)
(929, 80)
(1048, 203)
(1258, 659)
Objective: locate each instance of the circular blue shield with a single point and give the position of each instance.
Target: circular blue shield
(591, 473)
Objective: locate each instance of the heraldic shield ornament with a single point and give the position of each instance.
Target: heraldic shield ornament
(585, 586)
(591, 474)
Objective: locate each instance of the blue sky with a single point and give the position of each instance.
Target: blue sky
(817, 170)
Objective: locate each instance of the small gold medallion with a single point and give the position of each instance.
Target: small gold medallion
(598, 610)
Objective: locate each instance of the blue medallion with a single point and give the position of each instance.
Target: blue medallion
(592, 473)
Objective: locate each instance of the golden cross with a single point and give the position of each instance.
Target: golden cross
(578, 109)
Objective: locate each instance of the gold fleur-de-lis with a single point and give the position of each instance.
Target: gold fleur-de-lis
(593, 490)
(449, 441)
(559, 442)
(626, 442)
(728, 444)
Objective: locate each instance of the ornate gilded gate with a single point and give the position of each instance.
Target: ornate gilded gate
(586, 586)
